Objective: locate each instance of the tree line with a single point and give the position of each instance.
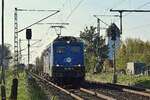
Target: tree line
(133, 50)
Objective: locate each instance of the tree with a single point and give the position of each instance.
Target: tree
(94, 46)
(39, 66)
(6, 54)
(87, 36)
(122, 57)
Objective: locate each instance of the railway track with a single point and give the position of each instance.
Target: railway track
(93, 91)
(73, 94)
(120, 92)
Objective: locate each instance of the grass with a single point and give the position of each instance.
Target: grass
(22, 85)
(140, 80)
(35, 92)
(27, 90)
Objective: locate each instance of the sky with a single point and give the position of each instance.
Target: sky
(78, 13)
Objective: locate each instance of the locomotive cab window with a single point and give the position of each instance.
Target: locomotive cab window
(60, 49)
(75, 49)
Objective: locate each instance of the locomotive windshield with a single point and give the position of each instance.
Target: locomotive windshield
(75, 49)
(72, 49)
(60, 49)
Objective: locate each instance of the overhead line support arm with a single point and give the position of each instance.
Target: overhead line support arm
(121, 11)
(129, 10)
(38, 21)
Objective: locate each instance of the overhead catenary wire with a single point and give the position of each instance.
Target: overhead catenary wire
(67, 18)
(51, 23)
(145, 4)
(36, 41)
(73, 10)
(139, 7)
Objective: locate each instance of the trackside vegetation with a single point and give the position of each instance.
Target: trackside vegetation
(27, 89)
(132, 80)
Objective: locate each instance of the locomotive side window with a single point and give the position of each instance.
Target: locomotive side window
(75, 49)
(60, 49)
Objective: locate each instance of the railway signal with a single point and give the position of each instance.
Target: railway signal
(28, 37)
(28, 34)
(113, 35)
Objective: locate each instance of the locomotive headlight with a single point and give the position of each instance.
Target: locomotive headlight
(79, 65)
(68, 42)
(57, 65)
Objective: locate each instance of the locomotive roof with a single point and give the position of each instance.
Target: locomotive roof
(66, 38)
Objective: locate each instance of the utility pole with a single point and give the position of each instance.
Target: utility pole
(3, 91)
(28, 52)
(99, 66)
(98, 26)
(121, 11)
(114, 78)
(120, 21)
(2, 53)
(15, 40)
(98, 44)
(20, 55)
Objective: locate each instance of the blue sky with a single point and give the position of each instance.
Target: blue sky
(135, 25)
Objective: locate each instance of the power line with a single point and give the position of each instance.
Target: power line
(74, 10)
(143, 5)
(138, 8)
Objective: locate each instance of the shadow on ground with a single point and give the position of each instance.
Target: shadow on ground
(143, 84)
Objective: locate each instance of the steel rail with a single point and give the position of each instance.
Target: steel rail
(129, 89)
(101, 96)
(122, 86)
(136, 92)
(64, 90)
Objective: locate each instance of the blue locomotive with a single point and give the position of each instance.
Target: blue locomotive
(64, 60)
